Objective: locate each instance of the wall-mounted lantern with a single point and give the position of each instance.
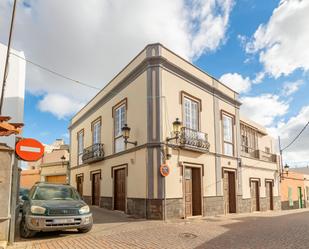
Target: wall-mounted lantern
(177, 125)
(126, 135)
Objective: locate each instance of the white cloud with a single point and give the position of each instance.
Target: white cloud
(282, 43)
(59, 105)
(298, 153)
(93, 40)
(263, 109)
(236, 82)
(291, 87)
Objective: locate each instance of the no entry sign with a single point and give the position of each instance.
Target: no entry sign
(29, 149)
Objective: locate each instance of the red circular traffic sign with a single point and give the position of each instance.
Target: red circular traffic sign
(164, 170)
(29, 149)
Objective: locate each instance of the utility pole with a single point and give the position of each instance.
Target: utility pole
(6, 67)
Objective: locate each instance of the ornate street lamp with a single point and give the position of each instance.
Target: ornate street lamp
(126, 134)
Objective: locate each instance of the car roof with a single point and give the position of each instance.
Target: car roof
(52, 184)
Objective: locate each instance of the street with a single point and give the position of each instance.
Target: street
(282, 229)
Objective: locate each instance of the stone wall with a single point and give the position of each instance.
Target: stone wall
(243, 205)
(154, 209)
(136, 207)
(174, 208)
(213, 205)
(106, 202)
(5, 187)
(264, 203)
(277, 203)
(87, 199)
(285, 205)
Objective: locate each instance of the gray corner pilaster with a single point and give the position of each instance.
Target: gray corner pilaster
(217, 142)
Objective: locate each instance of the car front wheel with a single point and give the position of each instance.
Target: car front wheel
(25, 232)
(84, 230)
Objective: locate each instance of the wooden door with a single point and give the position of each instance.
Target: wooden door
(79, 185)
(232, 192)
(300, 198)
(188, 191)
(56, 179)
(120, 189)
(269, 195)
(196, 191)
(96, 189)
(229, 191)
(255, 196)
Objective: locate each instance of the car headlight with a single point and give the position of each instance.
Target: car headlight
(37, 210)
(84, 210)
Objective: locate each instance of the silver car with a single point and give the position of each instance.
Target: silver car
(54, 207)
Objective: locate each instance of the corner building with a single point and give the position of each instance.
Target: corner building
(221, 163)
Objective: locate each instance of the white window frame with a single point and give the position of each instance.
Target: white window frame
(96, 132)
(120, 116)
(191, 113)
(228, 136)
(80, 147)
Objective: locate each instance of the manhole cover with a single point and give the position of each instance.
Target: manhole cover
(187, 235)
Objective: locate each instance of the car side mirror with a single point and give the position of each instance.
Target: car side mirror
(25, 198)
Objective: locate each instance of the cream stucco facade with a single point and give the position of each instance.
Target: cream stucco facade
(210, 169)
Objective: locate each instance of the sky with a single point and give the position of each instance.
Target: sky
(258, 48)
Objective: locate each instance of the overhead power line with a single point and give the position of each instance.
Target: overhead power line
(303, 129)
(56, 73)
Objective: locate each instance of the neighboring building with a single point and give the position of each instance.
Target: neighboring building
(54, 165)
(302, 174)
(13, 106)
(293, 190)
(13, 103)
(29, 177)
(221, 163)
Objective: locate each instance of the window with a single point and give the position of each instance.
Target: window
(249, 139)
(228, 147)
(191, 114)
(119, 121)
(96, 132)
(80, 146)
(267, 150)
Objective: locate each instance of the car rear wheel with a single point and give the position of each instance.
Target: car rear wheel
(25, 232)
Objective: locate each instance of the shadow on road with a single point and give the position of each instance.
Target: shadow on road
(100, 216)
(284, 231)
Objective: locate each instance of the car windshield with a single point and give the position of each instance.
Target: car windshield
(55, 193)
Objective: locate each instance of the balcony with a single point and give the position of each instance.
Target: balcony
(258, 154)
(93, 153)
(194, 140)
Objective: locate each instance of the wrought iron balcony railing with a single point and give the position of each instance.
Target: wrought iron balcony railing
(93, 153)
(194, 140)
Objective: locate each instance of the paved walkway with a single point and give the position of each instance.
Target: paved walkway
(285, 229)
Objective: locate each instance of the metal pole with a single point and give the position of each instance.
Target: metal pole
(6, 67)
